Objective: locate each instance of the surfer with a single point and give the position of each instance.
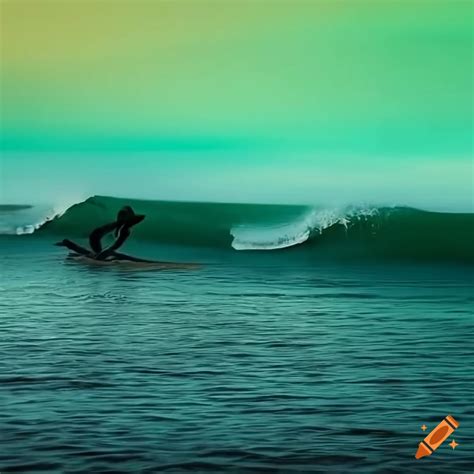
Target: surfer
(126, 219)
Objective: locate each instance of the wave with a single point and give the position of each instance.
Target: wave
(296, 232)
(376, 232)
(21, 219)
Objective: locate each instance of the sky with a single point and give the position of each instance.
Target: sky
(247, 101)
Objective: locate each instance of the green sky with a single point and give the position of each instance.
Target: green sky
(231, 88)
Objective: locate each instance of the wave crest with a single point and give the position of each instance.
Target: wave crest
(27, 219)
(286, 235)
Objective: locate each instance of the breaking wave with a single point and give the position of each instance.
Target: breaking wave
(377, 232)
(296, 232)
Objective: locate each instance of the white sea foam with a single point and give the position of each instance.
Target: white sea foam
(27, 221)
(272, 237)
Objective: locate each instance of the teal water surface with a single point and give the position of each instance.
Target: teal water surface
(254, 363)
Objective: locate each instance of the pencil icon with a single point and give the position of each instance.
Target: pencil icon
(436, 438)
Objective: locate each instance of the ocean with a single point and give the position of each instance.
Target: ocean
(308, 340)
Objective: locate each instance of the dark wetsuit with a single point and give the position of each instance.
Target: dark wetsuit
(95, 241)
(97, 234)
(121, 228)
(121, 231)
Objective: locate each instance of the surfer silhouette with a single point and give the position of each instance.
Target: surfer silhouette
(126, 219)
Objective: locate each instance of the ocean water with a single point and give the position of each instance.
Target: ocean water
(325, 356)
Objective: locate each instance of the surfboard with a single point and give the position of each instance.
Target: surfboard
(81, 254)
(133, 263)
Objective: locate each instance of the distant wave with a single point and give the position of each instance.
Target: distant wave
(8, 208)
(342, 233)
(21, 219)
